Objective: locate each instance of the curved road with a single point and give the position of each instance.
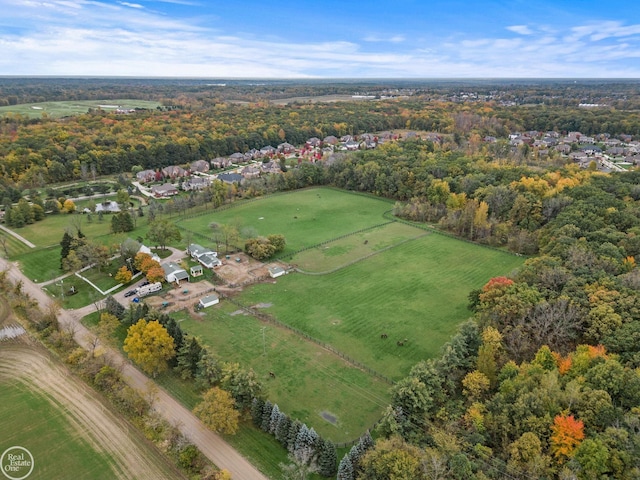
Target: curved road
(210, 444)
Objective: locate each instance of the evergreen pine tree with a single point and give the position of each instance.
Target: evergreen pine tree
(257, 404)
(282, 430)
(65, 245)
(327, 458)
(114, 307)
(305, 446)
(266, 415)
(293, 435)
(275, 418)
(188, 358)
(345, 469)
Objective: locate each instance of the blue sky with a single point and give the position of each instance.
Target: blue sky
(328, 39)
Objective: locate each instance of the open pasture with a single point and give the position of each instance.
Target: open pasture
(305, 217)
(308, 380)
(346, 250)
(73, 107)
(416, 291)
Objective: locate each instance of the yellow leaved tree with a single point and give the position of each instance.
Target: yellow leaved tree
(149, 345)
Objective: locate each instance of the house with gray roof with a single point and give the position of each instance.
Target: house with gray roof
(174, 273)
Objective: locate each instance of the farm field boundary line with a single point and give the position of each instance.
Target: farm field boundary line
(353, 262)
(431, 228)
(326, 346)
(317, 245)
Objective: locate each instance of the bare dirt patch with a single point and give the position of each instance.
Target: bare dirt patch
(182, 296)
(240, 269)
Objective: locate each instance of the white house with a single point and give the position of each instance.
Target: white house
(174, 273)
(208, 301)
(209, 260)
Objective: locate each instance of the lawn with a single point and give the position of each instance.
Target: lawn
(11, 245)
(415, 291)
(48, 232)
(304, 217)
(73, 107)
(309, 380)
(30, 420)
(41, 264)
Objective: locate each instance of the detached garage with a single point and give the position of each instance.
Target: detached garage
(208, 301)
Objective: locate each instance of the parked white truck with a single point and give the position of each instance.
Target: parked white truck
(147, 289)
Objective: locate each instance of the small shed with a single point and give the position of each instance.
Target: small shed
(196, 270)
(209, 300)
(276, 271)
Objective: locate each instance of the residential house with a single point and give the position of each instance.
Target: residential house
(196, 183)
(254, 153)
(195, 250)
(351, 145)
(230, 177)
(163, 191)
(200, 166)
(313, 142)
(250, 171)
(220, 162)
(271, 167)
(237, 158)
(174, 273)
(563, 148)
(330, 140)
(174, 171)
(286, 148)
(107, 207)
(268, 151)
(209, 260)
(146, 176)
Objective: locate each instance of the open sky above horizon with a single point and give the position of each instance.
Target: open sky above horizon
(329, 39)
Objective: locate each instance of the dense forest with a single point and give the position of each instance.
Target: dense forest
(543, 381)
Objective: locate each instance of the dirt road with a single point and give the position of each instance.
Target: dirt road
(210, 444)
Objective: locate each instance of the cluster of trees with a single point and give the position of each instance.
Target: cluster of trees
(24, 213)
(78, 251)
(305, 446)
(262, 248)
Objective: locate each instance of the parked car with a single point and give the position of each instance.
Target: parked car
(130, 293)
(145, 283)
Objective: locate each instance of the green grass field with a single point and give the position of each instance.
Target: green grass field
(29, 419)
(385, 277)
(309, 380)
(416, 291)
(305, 217)
(73, 107)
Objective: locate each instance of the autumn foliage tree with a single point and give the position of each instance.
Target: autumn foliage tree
(217, 411)
(150, 346)
(123, 275)
(567, 435)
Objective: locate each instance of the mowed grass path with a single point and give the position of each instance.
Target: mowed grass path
(304, 217)
(30, 420)
(416, 291)
(309, 380)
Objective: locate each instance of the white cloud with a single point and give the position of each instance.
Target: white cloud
(131, 5)
(521, 29)
(84, 37)
(390, 39)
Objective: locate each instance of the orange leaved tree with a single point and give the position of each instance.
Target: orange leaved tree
(568, 433)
